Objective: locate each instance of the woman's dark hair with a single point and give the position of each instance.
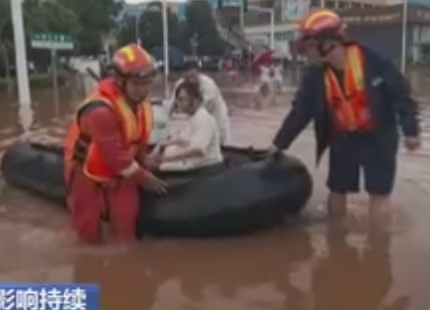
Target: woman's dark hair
(192, 89)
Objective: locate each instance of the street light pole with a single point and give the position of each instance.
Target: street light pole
(20, 52)
(272, 22)
(404, 36)
(242, 14)
(164, 12)
(166, 47)
(137, 28)
(272, 30)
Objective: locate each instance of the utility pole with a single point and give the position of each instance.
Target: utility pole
(20, 52)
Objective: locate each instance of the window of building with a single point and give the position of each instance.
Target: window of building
(330, 4)
(267, 4)
(356, 5)
(343, 5)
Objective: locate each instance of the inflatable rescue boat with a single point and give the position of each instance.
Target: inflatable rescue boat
(248, 192)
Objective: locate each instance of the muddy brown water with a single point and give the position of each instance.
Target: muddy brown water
(302, 265)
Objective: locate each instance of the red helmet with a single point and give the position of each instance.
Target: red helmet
(319, 25)
(319, 22)
(133, 61)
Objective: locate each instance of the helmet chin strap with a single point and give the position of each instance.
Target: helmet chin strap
(335, 40)
(121, 84)
(324, 51)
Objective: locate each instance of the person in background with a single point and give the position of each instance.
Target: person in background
(105, 150)
(356, 99)
(266, 88)
(264, 74)
(199, 143)
(228, 64)
(278, 78)
(231, 71)
(213, 100)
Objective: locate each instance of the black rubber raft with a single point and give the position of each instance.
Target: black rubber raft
(250, 191)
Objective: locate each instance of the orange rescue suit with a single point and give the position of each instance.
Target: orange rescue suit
(135, 129)
(349, 105)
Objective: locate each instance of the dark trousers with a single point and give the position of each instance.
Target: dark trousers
(375, 154)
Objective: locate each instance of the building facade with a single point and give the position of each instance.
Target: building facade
(257, 27)
(368, 21)
(382, 29)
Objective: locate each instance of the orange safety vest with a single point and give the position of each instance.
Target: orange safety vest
(350, 106)
(136, 130)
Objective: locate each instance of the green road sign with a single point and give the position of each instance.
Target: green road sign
(52, 41)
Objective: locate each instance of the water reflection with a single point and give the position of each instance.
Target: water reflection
(349, 280)
(25, 119)
(233, 273)
(269, 271)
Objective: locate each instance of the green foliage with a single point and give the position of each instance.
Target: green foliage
(4, 14)
(39, 16)
(96, 18)
(126, 33)
(89, 21)
(200, 18)
(199, 23)
(43, 80)
(151, 26)
(50, 16)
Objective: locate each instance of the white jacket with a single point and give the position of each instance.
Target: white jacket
(202, 132)
(214, 103)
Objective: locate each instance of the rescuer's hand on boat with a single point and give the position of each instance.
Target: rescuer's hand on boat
(117, 130)
(412, 143)
(151, 183)
(274, 151)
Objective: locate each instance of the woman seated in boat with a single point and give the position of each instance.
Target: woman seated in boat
(198, 145)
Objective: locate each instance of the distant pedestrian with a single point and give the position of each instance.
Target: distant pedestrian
(266, 87)
(278, 78)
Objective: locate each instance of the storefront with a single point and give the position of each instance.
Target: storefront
(282, 42)
(381, 29)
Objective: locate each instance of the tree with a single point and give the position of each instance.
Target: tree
(201, 24)
(151, 26)
(97, 19)
(48, 16)
(39, 16)
(126, 32)
(5, 40)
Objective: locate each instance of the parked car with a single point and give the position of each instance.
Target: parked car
(189, 58)
(211, 63)
(176, 57)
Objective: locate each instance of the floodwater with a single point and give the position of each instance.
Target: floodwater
(303, 265)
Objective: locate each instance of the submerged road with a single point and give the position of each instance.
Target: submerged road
(304, 265)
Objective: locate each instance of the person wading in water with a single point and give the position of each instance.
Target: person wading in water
(105, 150)
(356, 99)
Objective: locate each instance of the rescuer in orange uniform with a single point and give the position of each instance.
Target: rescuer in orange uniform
(105, 150)
(357, 100)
